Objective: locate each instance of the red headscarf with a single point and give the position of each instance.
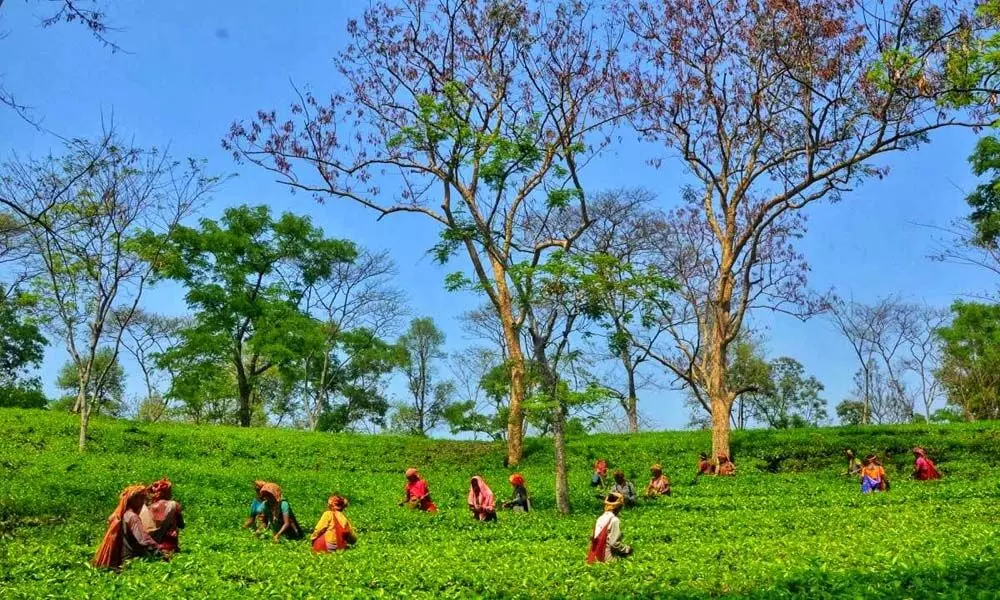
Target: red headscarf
(601, 466)
(109, 553)
(160, 488)
(517, 479)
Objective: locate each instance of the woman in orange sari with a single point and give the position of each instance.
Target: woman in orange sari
(166, 514)
(872, 476)
(126, 537)
(334, 531)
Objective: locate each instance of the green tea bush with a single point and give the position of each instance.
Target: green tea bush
(788, 526)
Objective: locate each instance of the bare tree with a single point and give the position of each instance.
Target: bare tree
(773, 107)
(144, 336)
(83, 211)
(890, 339)
(623, 228)
(924, 349)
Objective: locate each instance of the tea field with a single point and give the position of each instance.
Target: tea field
(789, 525)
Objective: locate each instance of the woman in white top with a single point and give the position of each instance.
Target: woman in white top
(606, 542)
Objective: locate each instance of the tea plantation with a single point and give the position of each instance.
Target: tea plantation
(789, 525)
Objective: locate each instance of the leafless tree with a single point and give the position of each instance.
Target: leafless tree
(144, 335)
(773, 107)
(84, 211)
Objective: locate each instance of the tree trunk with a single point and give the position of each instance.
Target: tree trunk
(244, 390)
(559, 443)
(81, 399)
(632, 405)
(515, 356)
(720, 426)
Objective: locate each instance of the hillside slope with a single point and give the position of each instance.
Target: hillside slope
(788, 525)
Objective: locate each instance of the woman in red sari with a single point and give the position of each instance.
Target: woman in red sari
(334, 531)
(418, 496)
(923, 467)
(166, 514)
(126, 537)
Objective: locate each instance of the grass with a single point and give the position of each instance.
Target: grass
(787, 526)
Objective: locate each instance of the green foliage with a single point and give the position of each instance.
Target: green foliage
(423, 347)
(359, 361)
(104, 395)
(22, 344)
(788, 526)
(985, 199)
(246, 276)
(970, 365)
(850, 412)
(24, 394)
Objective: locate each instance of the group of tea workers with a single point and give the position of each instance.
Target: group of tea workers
(147, 520)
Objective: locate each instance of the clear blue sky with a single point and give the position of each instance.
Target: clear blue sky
(191, 67)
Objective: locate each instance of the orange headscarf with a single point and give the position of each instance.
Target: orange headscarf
(109, 553)
(411, 473)
(336, 503)
(273, 489)
(517, 479)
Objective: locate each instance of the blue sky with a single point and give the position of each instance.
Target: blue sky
(190, 68)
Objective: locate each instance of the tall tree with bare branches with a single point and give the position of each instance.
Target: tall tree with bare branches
(83, 212)
(473, 115)
(773, 106)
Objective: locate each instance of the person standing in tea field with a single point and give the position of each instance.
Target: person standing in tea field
(625, 489)
(599, 479)
(334, 531)
(873, 476)
(126, 537)
(853, 463)
(418, 495)
(520, 501)
(659, 485)
(923, 467)
(481, 501)
(278, 515)
(705, 466)
(606, 541)
(166, 515)
(257, 507)
(726, 467)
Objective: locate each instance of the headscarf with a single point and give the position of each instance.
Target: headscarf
(870, 459)
(411, 473)
(109, 552)
(336, 503)
(613, 501)
(517, 479)
(273, 489)
(159, 488)
(657, 469)
(601, 466)
(484, 498)
(920, 451)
